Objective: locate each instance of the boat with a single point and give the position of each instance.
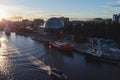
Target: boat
(61, 45)
(95, 52)
(57, 74)
(98, 54)
(7, 30)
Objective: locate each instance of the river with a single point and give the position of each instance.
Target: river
(22, 58)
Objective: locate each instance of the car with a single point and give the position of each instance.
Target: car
(55, 73)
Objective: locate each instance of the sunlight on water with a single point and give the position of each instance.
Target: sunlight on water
(3, 40)
(39, 63)
(5, 63)
(6, 53)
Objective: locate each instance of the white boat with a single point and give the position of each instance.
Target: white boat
(57, 74)
(7, 30)
(95, 52)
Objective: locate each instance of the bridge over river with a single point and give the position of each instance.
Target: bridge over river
(22, 58)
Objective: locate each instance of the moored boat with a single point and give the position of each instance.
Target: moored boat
(61, 45)
(7, 30)
(98, 53)
(94, 52)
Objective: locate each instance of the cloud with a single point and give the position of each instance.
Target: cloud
(110, 8)
(115, 6)
(11, 1)
(118, 1)
(112, 5)
(110, 11)
(15, 8)
(23, 11)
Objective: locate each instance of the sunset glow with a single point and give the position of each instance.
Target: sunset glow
(83, 9)
(2, 14)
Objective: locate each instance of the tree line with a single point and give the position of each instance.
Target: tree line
(107, 30)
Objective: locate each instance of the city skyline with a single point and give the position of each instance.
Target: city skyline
(77, 9)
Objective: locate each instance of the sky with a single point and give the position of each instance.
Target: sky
(75, 9)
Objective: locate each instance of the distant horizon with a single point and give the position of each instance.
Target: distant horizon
(77, 9)
(70, 19)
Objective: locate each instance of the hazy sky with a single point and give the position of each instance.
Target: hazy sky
(68, 8)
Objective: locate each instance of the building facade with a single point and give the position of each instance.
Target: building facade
(116, 17)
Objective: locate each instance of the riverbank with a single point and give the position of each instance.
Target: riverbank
(78, 47)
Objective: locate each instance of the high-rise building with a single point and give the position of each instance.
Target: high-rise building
(116, 17)
(119, 17)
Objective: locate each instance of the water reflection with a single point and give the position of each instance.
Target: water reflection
(21, 58)
(6, 65)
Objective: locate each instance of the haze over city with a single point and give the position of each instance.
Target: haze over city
(59, 40)
(75, 9)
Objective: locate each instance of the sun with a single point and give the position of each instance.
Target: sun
(2, 14)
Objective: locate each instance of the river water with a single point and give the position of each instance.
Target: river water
(22, 58)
